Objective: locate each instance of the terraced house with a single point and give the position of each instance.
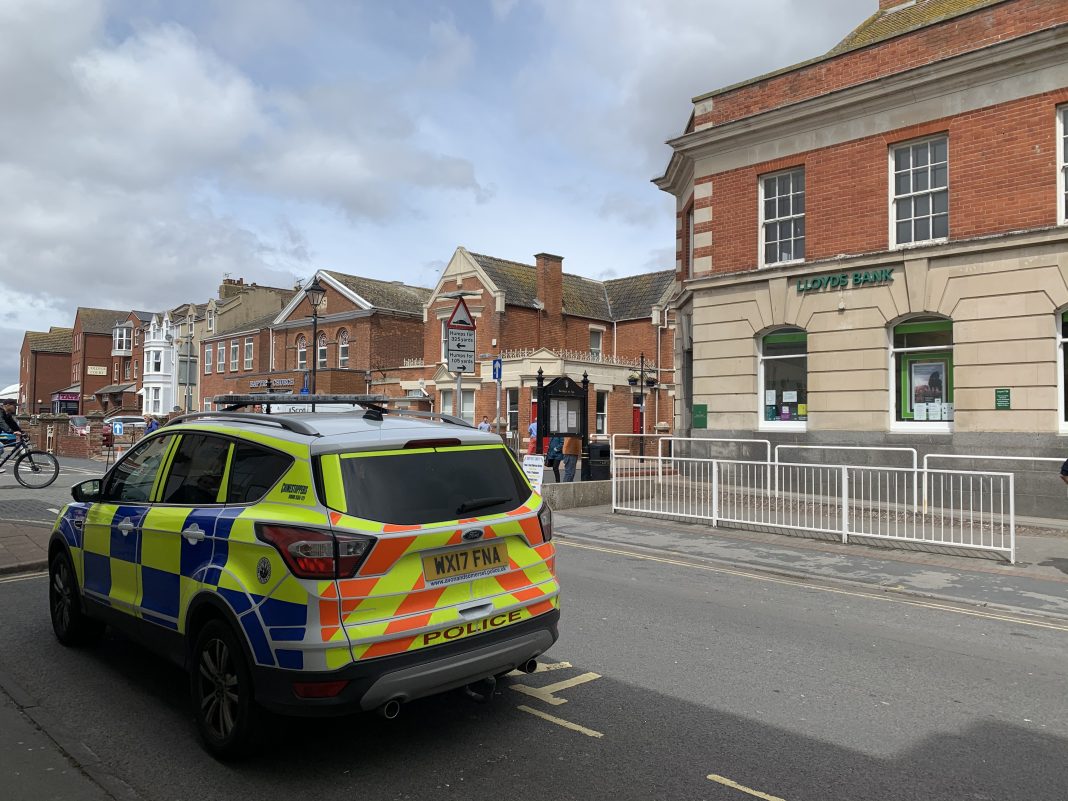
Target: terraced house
(872, 246)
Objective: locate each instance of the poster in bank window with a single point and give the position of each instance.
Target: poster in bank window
(927, 381)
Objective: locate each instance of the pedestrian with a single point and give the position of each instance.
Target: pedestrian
(1064, 472)
(151, 424)
(532, 432)
(572, 451)
(554, 455)
(484, 425)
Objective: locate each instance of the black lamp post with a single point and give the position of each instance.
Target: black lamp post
(315, 292)
(641, 407)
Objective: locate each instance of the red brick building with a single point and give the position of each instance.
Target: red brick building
(364, 328)
(873, 244)
(44, 370)
(90, 360)
(539, 317)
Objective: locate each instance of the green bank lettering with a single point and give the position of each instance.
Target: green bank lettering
(845, 280)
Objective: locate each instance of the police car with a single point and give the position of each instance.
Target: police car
(311, 564)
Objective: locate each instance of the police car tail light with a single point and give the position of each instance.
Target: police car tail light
(309, 553)
(545, 517)
(317, 554)
(351, 550)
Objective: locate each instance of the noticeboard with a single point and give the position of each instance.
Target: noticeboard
(1003, 398)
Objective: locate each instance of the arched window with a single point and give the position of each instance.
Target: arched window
(343, 348)
(302, 353)
(320, 352)
(783, 379)
(922, 358)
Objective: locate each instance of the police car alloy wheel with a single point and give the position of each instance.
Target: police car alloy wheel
(221, 686)
(69, 621)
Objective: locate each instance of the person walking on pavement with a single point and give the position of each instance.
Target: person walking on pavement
(532, 431)
(554, 455)
(572, 451)
(484, 425)
(151, 424)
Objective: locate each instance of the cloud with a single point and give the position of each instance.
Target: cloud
(629, 210)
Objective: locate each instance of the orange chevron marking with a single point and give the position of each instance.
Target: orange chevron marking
(513, 581)
(420, 602)
(391, 528)
(529, 594)
(456, 538)
(335, 517)
(385, 555)
(407, 624)
(388, 648)
(357, 588)
(532, 528)
(540, 608)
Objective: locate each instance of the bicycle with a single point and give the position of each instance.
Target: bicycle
(34, 469)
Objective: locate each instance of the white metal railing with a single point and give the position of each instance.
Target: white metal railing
(915, 474)
(971, 457)
(967, 509)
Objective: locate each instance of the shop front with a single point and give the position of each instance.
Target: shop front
(66, 400)
(963, 351)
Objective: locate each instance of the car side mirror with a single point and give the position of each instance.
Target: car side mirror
(87, 491)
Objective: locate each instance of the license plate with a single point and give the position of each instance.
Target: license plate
(465, 564)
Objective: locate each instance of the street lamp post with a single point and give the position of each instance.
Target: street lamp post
(315, 292)
(189, 370)
(641, 407)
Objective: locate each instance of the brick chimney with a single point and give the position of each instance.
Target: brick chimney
(550, 270)
(230, 287)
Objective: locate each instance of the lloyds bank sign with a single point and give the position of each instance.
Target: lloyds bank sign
(845, 280)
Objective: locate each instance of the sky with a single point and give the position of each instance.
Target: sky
(148, 148)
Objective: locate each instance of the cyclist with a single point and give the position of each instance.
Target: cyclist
(10, 430)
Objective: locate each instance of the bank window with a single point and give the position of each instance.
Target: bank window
(207, 359)
(782, 229)
(920, 191)
(601, 425)
(248, 353)
(1062, 161)
(302, 353)
(922, 356)
(784, 378)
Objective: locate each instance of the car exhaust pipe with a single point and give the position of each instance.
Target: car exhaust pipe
(390, 709)
(481, 691)
(530, 666)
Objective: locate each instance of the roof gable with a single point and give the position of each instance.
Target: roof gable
(58, 340)
(99, 321)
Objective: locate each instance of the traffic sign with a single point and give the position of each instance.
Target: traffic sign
(116, 428)
(461, 339)
(498, 367)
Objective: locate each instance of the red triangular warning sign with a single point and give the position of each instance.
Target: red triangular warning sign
(461, 316)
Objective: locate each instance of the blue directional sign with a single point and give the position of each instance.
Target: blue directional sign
(498, 366)
(116, 428)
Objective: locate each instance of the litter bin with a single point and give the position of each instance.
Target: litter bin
(600, 461)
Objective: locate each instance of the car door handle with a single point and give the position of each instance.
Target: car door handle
(126, 526)
(194, 534)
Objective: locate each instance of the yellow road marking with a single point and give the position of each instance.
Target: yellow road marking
(884, 596)
(742, 788)
(567, 724)
(26, 577)
(546, 693)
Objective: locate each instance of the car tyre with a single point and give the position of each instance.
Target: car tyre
(69, 621)
(224, 705)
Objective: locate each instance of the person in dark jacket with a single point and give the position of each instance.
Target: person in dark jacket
(151, 424)
(554, 456)
(9, 426)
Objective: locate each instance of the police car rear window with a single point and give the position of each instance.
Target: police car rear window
(420, 487)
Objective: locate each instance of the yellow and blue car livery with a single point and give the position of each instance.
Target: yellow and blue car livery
(337, 609)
